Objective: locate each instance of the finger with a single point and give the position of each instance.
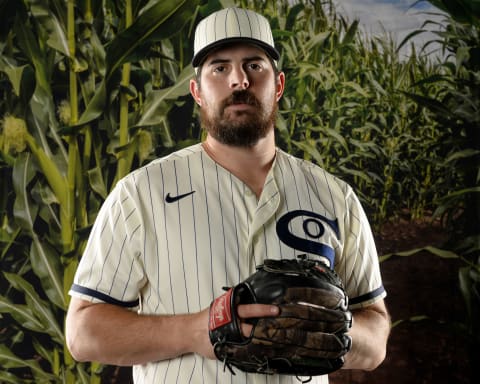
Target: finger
(246, 329)
(246, 311)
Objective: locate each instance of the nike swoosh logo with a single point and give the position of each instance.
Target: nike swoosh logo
(173, 199)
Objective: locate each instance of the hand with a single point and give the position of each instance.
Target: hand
(203, 345)
(248, 311)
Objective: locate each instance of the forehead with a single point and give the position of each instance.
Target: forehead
(238, 51)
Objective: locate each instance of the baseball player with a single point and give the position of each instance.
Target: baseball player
(174, 232)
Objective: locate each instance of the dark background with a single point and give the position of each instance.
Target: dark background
(428, 346)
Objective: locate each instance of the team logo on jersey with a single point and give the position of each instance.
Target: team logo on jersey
(313, 227)
(172, 199)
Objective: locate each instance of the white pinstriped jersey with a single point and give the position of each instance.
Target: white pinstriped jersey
(174, 232)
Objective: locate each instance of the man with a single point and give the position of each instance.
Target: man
(176, 231)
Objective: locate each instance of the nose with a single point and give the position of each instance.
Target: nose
(239, 78)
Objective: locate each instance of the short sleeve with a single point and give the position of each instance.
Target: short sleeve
(359, 265)
(111, 268)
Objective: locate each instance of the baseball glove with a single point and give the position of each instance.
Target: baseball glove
(307, 338)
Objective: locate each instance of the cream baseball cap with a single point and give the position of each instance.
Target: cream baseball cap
(232, 25)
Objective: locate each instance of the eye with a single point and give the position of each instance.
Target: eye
(254, 67)
(219, 69)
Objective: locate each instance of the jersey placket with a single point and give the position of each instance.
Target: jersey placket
(266, 207)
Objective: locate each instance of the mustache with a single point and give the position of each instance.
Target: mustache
(241, 97)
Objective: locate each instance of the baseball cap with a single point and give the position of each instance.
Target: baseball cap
(232, 25)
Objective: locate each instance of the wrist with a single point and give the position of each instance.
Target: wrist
(195, 337)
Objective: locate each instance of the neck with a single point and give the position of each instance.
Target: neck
(249, 164)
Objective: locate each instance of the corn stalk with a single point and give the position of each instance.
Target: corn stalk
(58, 153)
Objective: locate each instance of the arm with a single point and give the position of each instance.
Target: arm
(370, 330)
(113, 335)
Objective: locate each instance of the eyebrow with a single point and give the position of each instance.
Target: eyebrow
(246, 59)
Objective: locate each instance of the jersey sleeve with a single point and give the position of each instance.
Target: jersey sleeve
(111, 268)
(359, 265)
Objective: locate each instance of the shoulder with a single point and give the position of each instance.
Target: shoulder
(312, 171)
(159, 173)
(161, 164)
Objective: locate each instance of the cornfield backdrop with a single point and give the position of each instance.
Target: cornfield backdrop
(92, 89)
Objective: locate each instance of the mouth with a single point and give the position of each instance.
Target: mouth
(240, 106)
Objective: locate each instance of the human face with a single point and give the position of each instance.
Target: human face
(238, 95)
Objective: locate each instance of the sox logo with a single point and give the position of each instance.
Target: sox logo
(314, 228)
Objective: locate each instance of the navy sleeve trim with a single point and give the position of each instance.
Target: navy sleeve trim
(367, 296)
(103, 297)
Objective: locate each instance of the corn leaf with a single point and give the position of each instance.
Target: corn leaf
(443, 253)
(9, 360)
(39, 307)
(152, 114)
(159, 21)
(21, 313)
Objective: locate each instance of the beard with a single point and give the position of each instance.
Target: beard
(239, 128)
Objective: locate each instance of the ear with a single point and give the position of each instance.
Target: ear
(280, 85)
(195, 92)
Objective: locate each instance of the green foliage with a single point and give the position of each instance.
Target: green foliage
(456, 109)
(463, 11)
(346, 108)
(87, 93)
